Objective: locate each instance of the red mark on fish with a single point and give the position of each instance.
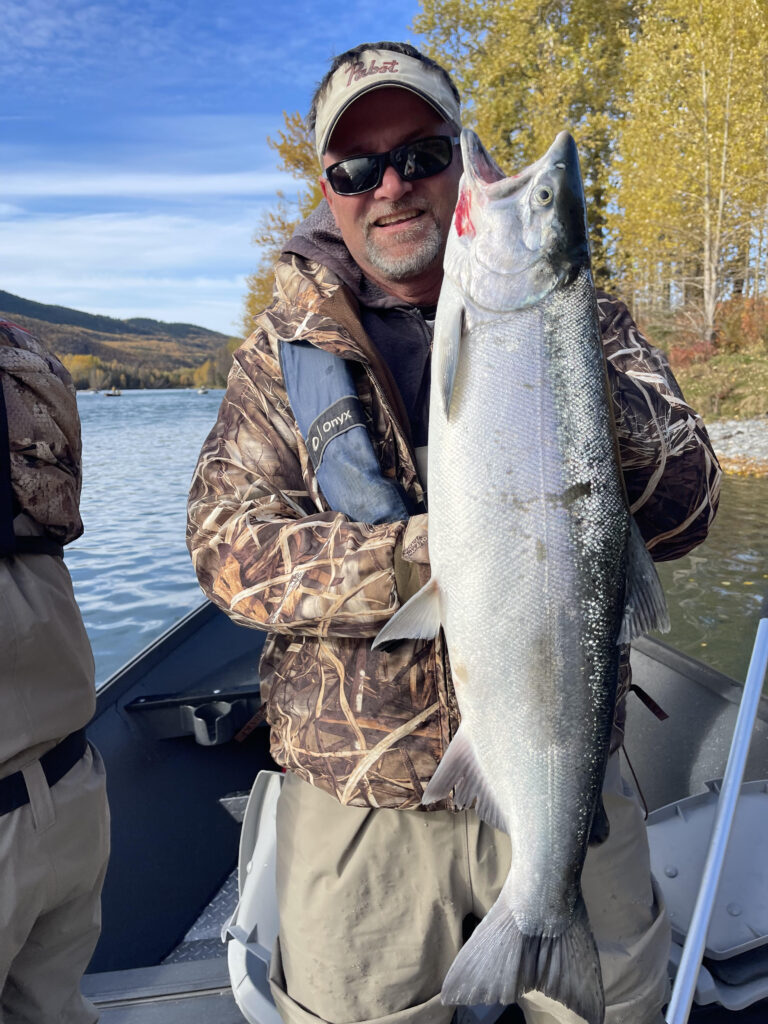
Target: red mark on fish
(462, 218)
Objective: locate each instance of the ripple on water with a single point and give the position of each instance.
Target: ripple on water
(715, 593)
(133, 577)
(131, 570)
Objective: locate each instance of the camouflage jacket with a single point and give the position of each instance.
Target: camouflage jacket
(370, 726)
(44, 434)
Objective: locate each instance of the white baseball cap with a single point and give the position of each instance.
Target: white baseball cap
(376, 69)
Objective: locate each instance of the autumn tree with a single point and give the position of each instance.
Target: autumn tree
(692, 195)
(528, 69)
(297, 155)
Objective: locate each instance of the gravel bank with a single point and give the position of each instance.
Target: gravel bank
(741, 445)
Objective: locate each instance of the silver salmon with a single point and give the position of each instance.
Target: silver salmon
(539, 571)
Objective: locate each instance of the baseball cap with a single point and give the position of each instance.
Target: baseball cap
(375, 69)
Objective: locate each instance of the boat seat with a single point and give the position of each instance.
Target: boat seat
(251, 931)
(734, 972)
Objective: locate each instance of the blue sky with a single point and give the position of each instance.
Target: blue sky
(133, 155)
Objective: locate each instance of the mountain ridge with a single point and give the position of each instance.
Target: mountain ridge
(67, 316)
(139, 344)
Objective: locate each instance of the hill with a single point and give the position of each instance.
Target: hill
(138, 343)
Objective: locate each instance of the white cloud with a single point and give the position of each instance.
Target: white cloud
(93, 182)
(164, 266)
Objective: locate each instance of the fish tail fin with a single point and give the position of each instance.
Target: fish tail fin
(499, 963)
(418, 617)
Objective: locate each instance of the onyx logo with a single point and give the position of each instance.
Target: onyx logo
(339, 417)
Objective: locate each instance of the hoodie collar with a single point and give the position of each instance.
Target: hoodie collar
(318, 238)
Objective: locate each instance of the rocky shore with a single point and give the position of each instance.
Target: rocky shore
(741, 446)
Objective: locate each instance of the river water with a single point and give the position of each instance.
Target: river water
(133, 577)
(131, 571)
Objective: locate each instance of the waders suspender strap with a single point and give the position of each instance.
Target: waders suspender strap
(10, 544)
(324, 400)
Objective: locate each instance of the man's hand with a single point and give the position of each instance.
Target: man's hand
(412, 569)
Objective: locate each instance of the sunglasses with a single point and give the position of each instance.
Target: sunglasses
(422, 158)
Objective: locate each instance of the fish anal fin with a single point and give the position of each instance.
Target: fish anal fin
(418, 618)
(460, 771)
(499, 963)
(600, 825)
(645, 607)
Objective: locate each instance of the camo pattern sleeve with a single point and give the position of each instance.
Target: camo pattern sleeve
(670, 470)
(44, 433)
(264, 544)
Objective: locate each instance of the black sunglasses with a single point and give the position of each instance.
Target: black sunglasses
(412, 161)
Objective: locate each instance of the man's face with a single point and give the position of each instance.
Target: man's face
(396, 232)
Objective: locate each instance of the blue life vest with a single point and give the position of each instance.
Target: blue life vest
(324, 401)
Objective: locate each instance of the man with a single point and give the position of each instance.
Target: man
(302, 524)
(54, 820)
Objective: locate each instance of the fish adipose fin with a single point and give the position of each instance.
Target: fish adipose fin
(499, 963)
(418, 618)
(459, 771)
(645, 607)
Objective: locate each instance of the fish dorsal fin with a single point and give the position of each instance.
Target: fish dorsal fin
(645, 607)
(449, 327)
(459, 771)
(419, 617)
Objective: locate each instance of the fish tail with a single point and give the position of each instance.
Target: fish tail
(499, 963)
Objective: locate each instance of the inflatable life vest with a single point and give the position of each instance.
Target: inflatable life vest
(324, 400)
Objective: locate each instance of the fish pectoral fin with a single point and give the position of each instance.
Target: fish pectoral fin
(460, 771)
(499, 963)
(645, 607)
(419, 617)
(601, 827)
(449, 328)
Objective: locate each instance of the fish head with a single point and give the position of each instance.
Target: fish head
(515, 239)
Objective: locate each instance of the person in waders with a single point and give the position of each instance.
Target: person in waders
(307, 518)
(54, 818)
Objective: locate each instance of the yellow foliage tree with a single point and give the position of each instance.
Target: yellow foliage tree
(692, 200)
(85, 370)
(528, 69)
(297, 156)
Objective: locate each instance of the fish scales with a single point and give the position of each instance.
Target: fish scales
(535, 564)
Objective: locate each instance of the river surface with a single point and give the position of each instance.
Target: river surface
(133, 577)
(131, 571)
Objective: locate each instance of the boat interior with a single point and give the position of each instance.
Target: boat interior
(176, 728)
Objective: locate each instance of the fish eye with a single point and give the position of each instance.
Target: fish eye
(543, 195)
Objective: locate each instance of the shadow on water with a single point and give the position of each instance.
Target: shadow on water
(715, 593)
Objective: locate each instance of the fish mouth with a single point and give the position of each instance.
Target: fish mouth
(553, 182)
(479, 165)
(485, 175)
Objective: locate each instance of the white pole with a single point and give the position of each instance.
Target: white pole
(693, 950)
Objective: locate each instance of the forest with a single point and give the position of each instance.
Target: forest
(668, 103)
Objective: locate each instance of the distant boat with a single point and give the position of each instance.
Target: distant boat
(113, 392)
(202, 391)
